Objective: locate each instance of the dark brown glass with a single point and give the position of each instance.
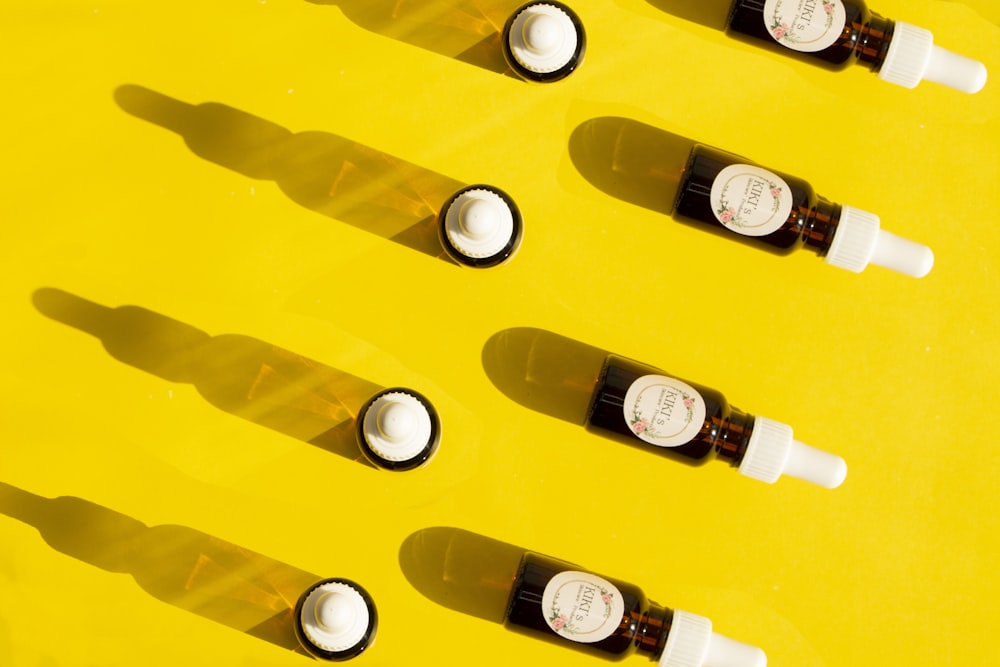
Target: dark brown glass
(725, 433)
(812, 221)
(643, 628)
(864, 40)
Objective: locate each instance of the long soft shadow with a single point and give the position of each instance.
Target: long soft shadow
(244, 376)
(466, 30)
(709, 13)
(178, 565)
(631, 161)
(461, 570)
(322, 172)
(543, 371)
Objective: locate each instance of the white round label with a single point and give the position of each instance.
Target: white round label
(582, 607)
(664, 411)
(805, 25)
(749, 200)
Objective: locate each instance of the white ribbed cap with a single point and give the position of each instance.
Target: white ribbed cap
(773, 452)
(479, 223)
(335, 617)
(691, 643)
(912, 57)
(397, 426)
(859, 242)
(543, 38)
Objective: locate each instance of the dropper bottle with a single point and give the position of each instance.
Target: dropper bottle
(556, 601)
(544, 41)
(398, 429)
(336, 620)
(838, 33)
(782, 213)
(480, 226)
(640, 405)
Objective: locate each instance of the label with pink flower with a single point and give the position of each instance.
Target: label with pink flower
(582, 607)
(805, 25)
(664, 411)
(749, 200)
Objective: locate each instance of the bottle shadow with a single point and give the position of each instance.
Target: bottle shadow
(461, 570)
(323, 172)
(709, 13)
(246, 377)
(631, 161)
(544, 371)
(466, 30)
(181, 566)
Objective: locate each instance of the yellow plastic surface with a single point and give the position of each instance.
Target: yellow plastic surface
(215, 218)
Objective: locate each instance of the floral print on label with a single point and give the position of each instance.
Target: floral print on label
(582, 607)
(805, 25)
(749, 200)
(663, 411)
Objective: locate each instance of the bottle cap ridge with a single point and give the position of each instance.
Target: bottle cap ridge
(691, 643)
(913, 57)
(335, 617)
(859, 241)
(543, 38)
(398, 428)
(480, 224)
(773, 452)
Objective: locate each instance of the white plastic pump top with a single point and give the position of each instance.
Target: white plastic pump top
(479, 223)
(691, 643)
(543, 38)
(913, 57)
(773, 452)
(859, 241)
(397, 426)
(335, 617)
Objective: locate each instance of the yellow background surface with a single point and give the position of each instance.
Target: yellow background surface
(203, 279)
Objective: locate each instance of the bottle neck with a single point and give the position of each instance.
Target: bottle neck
(654, 628)
(872, 43)
(821, 224)
(730, 435)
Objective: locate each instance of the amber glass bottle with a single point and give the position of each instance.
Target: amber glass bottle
(725, 193)
(838, 33)
(556, 601)
(639, 405)
(811, 220)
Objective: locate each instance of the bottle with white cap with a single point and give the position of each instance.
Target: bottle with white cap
(398, 429)
(727, 194)
(641, 405)
(544, 41)
(838, 33)
(335, 620)
(557, 601)
(480, 226)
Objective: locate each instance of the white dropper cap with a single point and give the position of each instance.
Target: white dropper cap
(691, 643)
(335, 617)
(773, 452)
(859, 241)
(912, 57)
(479, 223)
(543, 38)
(397, 426)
